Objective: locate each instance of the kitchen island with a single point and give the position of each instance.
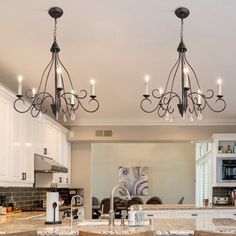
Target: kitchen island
(28, 221)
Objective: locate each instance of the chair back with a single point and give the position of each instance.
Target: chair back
(134, 201)
(95, 201)
(154, 200)
(105, 205)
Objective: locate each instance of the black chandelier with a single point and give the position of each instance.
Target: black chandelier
(64, 102)
(188, 99)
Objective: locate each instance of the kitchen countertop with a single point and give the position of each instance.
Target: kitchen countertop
(26, 221)
(181, 207)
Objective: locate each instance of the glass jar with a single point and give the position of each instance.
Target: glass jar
(228, 150)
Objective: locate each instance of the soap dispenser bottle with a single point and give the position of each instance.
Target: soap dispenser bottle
(131, 216)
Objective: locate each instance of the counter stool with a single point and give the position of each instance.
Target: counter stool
(208, 233)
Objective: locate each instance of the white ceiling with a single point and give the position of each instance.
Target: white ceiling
(118, 42)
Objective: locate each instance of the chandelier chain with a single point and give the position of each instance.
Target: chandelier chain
(55, 31)
(182, 30)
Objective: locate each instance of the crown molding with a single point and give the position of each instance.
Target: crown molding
(209, 122)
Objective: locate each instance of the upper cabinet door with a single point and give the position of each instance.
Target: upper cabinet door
(5, 137)
(27, 149)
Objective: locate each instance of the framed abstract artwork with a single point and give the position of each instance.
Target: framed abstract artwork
(135, 179)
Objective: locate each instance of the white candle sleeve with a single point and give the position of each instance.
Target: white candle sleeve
(92, 89)
(19, 88)
(59, 81)
(219, 89)
(146, 89)
(199, 99)
(72, 101)
(186, 81)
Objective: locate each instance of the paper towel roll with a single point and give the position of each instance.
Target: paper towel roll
(52, 198)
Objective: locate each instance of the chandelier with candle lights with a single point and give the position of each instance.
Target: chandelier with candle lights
(187, 99)
(64, 101)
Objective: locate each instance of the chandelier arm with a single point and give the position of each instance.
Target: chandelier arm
(38, 101)
(174, 77)
(41, 80)
(67, 110)
(168, 80)
(68, 103)
(195, 75)
(71, 84)
(195, 106)
(22, 101)
(218, 100)
(150, 102)
(210, 92)
(90, 100)
(166, 102)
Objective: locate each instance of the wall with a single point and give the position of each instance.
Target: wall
(171, 168)
(158, 133)
(81, 168)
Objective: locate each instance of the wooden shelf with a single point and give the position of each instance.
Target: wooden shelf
(228, 155)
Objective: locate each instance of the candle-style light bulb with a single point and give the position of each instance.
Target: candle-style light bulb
(161, 91)
(92, 87)
(219, 89)
(146, 79)
(20, 79)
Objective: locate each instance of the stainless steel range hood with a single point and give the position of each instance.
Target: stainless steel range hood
(47, 165)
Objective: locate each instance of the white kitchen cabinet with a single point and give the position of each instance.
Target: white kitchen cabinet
(21, 136)
(158, 214)
(22, 162)
(186, 214)
(4, 138)
(225, 213)
(64, 158)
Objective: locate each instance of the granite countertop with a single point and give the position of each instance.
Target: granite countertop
(181, 207)
(27, 221)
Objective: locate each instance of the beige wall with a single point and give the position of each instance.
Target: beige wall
(81, 172)
(171, 168)
(149, 133)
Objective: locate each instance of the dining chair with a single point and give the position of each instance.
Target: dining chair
(105, 205)
(154, 200)
(95, 201)
(208, 233)
(134, 201)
